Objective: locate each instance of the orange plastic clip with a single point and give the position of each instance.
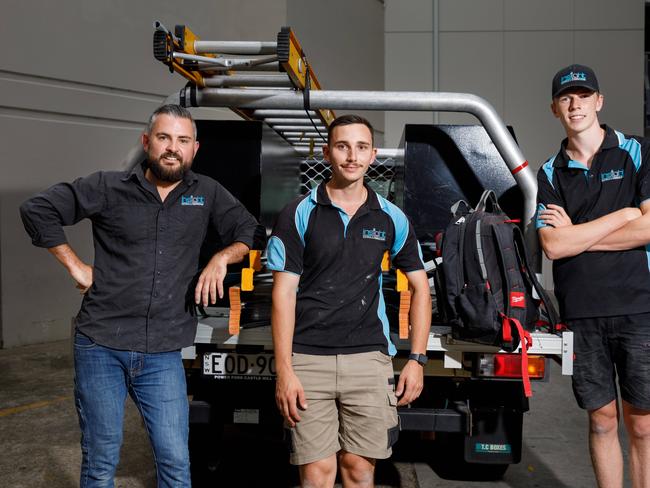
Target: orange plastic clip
(402, 281)
(385, 262)
(234, 293)
(255, 259)
(247, 279)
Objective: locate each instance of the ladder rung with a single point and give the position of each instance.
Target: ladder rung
(300, 134)
(305, 121)
(271, 80)
(321, 128)
(236, 47)
(273, 66)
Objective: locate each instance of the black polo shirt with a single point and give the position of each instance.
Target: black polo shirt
(146, 251)
(340, 307)
(600, 284)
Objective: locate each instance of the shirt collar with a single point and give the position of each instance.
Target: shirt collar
(137, 173)
(319, 195)
(610, 141)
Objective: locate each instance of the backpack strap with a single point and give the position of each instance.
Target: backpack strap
(490, 197)
(513, 285)
(522, 250)
(526, 342)
(460, 209)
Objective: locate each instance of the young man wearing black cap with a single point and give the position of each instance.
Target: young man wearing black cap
(593, 221)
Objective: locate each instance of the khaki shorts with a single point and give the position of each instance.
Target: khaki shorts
(351, 406)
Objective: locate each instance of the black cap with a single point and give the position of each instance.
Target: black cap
(572, 76)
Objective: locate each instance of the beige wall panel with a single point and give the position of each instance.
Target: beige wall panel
(110, 43)
(471, 62)
(409, 67)
(409, 15)
(617, 58)
(531, 60)
(345, 43)
(395, 122)
(470, 15)
(538, 15)
(409, 61)
(606, 14)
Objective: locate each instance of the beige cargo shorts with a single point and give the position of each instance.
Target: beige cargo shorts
(351, 406)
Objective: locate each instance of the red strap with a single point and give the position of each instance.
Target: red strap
(526, 342)
(506, 331)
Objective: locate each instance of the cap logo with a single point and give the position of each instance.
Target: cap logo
(573, 77)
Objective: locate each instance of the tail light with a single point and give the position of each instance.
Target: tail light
(509, 366)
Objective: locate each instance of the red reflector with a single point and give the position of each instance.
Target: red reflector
(509, 366)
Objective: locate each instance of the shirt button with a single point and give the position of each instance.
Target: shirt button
(158, 273)
(159, 252)
(155, 294)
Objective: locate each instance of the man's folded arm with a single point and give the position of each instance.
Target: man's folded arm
(571, 240)
(632, 235)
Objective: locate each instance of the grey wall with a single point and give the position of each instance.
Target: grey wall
(344, 40)
(77, 82)
(507, 52)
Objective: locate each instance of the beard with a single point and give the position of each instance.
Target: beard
(164, 173)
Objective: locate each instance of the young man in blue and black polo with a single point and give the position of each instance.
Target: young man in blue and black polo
(594, 223)
(335, 381)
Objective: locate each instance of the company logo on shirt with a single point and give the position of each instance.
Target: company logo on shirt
(378, 235)
(573, 77)
(192, 200)
(615, 174)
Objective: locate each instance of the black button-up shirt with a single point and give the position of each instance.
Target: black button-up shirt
(146, 251)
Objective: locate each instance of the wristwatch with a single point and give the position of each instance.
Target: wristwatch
(420, 358)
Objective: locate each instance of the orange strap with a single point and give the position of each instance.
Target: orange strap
(404, 307)
(234, 293)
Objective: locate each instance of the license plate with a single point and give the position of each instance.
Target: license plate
(234, 366)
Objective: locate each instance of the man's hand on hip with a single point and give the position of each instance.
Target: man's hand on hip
(83, 275)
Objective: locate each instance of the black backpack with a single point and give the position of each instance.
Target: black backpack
(486, 282)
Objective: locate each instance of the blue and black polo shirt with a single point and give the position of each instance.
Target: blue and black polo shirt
(340, 307)
(600, 284)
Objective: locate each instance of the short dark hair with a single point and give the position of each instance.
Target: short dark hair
(348, 120)
(172, 110)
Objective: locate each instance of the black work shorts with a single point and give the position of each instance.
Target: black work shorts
(608, 347)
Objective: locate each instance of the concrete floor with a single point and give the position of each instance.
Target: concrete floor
(39, 438)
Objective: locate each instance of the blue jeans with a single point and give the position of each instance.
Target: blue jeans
(156, 383)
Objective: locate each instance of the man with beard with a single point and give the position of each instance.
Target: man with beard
(148, 227)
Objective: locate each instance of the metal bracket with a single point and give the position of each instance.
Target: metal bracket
(567, 353)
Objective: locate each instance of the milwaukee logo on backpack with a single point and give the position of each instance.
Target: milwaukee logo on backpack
(487, 284)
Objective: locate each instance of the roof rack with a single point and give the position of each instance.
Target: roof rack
(274, 65)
